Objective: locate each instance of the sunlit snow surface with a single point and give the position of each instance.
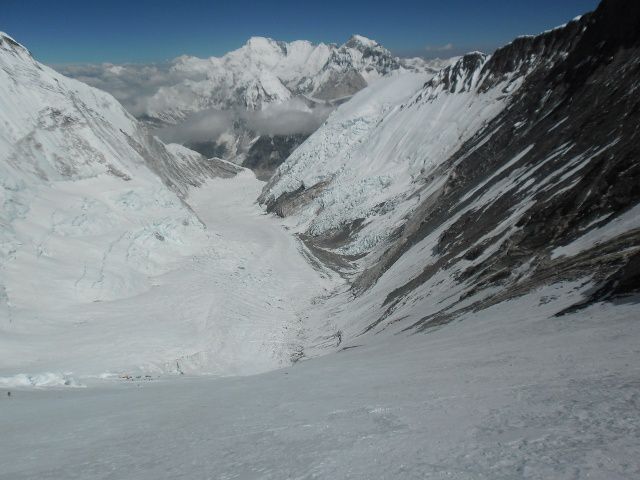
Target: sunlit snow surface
(501, 395)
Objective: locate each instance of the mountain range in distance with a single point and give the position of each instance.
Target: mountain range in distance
(255, 104)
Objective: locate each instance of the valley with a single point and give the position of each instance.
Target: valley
(371, 267)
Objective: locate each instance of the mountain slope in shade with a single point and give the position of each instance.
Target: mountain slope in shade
(499, 176)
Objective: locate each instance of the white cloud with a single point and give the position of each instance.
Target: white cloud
(286, 118)
(132, 84)
(439, 48)
(199, 127)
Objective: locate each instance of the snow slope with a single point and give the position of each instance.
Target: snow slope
(74, 183)
(504, 395)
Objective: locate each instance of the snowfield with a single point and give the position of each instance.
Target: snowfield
(501, 395)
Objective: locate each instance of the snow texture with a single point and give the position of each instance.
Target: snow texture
(503, 395)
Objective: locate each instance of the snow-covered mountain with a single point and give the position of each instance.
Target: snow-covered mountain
(266, 71)
(277, 91)
(502, 176)
(78, 175)
(104, 267)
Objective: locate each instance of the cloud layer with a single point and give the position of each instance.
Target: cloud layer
(137, 87)
(133, 85)
(200, 127)
(286, 118)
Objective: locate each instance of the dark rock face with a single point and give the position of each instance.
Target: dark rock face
(287, 204)
(568, 148)
(341, 84)
(457, 77)
(269, 151)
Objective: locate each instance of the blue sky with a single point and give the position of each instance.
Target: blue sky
(75, 31)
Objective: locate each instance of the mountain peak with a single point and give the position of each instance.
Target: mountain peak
(8, 43)
(266, 46)
(256, 42)
(359, 41)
